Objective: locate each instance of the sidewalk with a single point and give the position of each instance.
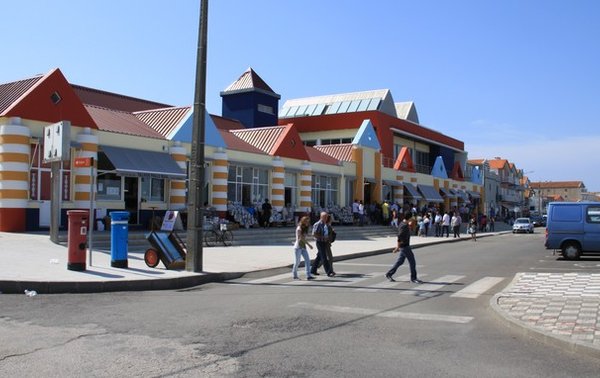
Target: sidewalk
(558, 308)
(33, 262)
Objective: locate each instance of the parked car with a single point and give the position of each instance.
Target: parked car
(574, 228)
(538, 221)
(523, 225)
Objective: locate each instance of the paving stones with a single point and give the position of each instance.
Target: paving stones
(564, 305)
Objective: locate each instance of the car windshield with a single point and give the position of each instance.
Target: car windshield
(522, 220)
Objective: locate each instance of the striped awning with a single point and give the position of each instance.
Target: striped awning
(430, 194)
(447, 193)
(411, 191)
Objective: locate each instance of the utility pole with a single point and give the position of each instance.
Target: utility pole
(193, 261)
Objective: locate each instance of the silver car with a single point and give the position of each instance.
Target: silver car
(523, 225)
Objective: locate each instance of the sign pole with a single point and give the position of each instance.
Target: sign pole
(92, 222)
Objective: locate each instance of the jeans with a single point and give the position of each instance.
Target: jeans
(304, 253)
(406, 253)
(445, 229)
(322, 247)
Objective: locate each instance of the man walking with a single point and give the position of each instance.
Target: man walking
(405, 252)
(321, 234)
(438, 224)
(446, 225)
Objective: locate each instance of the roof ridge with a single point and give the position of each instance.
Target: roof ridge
(82, 87)
(161, 109)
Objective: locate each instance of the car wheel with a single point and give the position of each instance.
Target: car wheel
(571, 251)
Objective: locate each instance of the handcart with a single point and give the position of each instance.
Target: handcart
(167, 246)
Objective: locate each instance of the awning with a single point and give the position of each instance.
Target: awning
(430, 194)
(130, 162)
(447, 193)
(474, 194)
(370, 180)
(393, 183)
(460, 194)
(412, 191)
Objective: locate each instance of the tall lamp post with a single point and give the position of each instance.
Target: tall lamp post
(193, 261)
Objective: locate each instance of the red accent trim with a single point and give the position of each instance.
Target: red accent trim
(404, 161)
(457, 173)
(290, 145)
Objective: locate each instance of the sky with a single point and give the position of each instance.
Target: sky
(515, 79)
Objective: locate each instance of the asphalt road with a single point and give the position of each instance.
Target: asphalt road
(355, 325)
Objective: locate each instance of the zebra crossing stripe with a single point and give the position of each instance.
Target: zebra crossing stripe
(386, 314)
(477, 288)
(385, 284)
(269, 279)
(431, 288)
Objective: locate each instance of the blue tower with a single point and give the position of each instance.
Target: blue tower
(251, 101)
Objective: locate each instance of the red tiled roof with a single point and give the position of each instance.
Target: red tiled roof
(11, 92)
(557, 185)
(263, 138)
(476, 161)
(316, 156)
(121, 122)
(114, 101)
(165, 120)
(223, 123)
(249, 80)
(497, 163)
(234, 143)
(340, 152)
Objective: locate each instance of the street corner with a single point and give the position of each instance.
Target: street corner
(558, 309)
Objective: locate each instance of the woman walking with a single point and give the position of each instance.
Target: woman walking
(300, 248)
(473, 227)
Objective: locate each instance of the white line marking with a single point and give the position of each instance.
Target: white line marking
(477, 288)
(269, 279)
(367, 264)
(385, 284)
(387, 314)
(429, 289)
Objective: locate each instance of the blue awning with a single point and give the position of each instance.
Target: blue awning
(393, 183)
(447, 193)
(474, 194)
(430, 194)
(139, 163)
(412, 191)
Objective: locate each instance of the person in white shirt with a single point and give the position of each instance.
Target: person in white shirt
(455, 223)
(438, 224)
(446, 225)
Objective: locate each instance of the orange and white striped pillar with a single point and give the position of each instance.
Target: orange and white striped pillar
(219, 181)
(177, 187)
(377, 190)
(277, 184)
(399, 191)
(89, 149)
(306, 187)
(15, 151)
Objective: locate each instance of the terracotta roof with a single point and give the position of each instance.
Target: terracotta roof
(115, 101)
(557, 185)
(476, 161)
(235, 143)
(316, 156)
(340, 152)
(497, 163)
(11, 92)
(248, 81)
(164, 120)
(121, 122)
(264, 138)
(556, 197)
(223, 123)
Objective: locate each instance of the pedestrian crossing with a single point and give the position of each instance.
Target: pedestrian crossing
(455, 285)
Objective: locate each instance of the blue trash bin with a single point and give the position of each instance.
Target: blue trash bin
(119, 235)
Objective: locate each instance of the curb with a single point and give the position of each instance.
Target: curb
(176, 283)
(539, 335)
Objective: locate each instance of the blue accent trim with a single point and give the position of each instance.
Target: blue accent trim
(366, 136)
(476, 176)
(439, 169)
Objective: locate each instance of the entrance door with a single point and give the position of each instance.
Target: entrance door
(45, 210)
(132, 198)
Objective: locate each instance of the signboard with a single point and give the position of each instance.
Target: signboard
(57, 142)
(169, 220)
(82, 162)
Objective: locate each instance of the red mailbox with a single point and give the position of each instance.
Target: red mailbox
(78, 229)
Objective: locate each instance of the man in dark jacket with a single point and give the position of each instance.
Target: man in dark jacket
(405, 251)
(321, 234)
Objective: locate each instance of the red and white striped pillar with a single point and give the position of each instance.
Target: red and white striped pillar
(177, 187)
(14, 175)
(219, 180)
(88, 149)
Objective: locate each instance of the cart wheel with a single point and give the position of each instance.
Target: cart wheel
(227, 238)
(151, 257)
(210, 238)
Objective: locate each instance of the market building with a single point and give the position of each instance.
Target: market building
(357, 146)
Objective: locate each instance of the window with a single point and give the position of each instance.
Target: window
(108, 186)
(324, 190)
(247, 185)
(568, 213)
(593, 214)
(153, 189)
(265, 109)
(422, 162)
(40, 179)
(291, 189)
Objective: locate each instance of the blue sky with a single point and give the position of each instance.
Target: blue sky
(512, 78)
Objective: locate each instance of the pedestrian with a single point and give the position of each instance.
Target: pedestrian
(492, 222)
(473, 227)
(385, 212)
(332, 236)
(455, 223)
(320, 232)
(446, 224)
(438, 224)
(361, 213)
(355, 207)
(427, 222)
(266, 212)
(394, 218)
(483, 223)
(406, 252)
(300, 248)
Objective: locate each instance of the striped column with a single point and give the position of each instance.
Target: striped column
(399, 191)
(89, 149)
(15, 150)
(306, 187)
(377, 191)
(277, 184)
(219, 180)
(177, 187)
